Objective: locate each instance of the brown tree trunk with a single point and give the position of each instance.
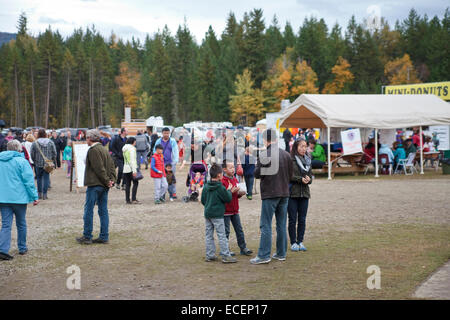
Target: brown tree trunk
(16, 102)
(100, 103)
(33, 97)
(68, 101)
(47, 104)
(79, 101)
(91, 93)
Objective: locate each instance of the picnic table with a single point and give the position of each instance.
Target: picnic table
(432, 155)
(350, 163)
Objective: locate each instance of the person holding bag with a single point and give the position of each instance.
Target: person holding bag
(43, 154)
(130, 170)
(299, 194)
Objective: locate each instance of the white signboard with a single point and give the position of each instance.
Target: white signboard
(80, 153)
(351, 141)
(442, 133)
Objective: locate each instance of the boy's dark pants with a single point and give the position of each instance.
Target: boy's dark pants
(237, 226)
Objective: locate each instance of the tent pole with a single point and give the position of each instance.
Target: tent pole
(329, 155)
(421, 151)
(376, 154)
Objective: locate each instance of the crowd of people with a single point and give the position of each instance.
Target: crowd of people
(232, 165)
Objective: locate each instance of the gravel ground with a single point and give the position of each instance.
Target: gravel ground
(341, 204)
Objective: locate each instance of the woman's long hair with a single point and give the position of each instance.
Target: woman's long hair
(294, 150)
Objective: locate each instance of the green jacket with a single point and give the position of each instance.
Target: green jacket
(214, 197)
(319, 153)
(100, 167)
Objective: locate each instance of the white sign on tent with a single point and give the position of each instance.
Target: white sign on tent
(443, 135)
(351, 141)
(80, 152)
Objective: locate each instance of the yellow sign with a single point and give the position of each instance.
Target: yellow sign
(441, 89)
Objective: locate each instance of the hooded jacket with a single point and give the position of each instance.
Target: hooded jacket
(48, 149)
(17, 179)
(214, 197)
(129, 158)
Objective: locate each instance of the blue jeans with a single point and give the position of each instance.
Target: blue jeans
(43, 180)
(96, 195)
(8, 212)
(235, 219)
(269, 207)
(297, 209)
(172, 190)
(249, 180)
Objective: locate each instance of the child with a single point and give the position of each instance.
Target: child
(197, 184)
(232, 208)
(171, 181)
(67, 156)
(158, 174)
(214, 197)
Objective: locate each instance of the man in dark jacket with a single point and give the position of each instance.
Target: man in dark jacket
(274, 168)
(115, 146)
(58, 144)
(99, 177)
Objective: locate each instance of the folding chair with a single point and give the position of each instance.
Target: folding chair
(407, 163)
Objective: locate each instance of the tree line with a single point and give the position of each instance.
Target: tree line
(85, 79)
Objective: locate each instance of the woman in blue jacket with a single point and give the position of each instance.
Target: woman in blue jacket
(16, 191)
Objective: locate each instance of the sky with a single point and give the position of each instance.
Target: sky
(139, 17)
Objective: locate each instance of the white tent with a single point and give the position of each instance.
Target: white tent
(365, 111)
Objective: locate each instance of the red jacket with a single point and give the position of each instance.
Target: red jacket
(159, 164)
(231, 208)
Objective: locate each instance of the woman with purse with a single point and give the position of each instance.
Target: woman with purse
(130, 170)
(299, 194)
(43, 154)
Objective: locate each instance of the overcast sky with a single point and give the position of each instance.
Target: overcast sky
(139, 17)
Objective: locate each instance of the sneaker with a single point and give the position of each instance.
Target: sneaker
(249, 197)
(162, 200)
(117, 187)
(246, 252)
(232, 253)
(228, 259)
(294, 247)
(209, 259)
(258, 260)
(128, 202)
(83, 240)
(158, 201)
(171, 199)
(98, 240)
(136, 202)
(23, 252)
(275, 256)
(301, 247)
(123, 187)
(5, 256)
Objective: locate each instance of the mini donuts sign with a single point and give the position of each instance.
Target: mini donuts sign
(351, 141)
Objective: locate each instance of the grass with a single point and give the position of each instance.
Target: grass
(334, 267)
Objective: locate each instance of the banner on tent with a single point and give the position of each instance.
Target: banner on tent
(351, 141)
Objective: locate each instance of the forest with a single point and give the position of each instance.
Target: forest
(86, 79)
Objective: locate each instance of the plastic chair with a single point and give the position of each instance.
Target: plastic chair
(407, 163)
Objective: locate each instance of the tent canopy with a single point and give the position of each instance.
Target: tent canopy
(365, 111)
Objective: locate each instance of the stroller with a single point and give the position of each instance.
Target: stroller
(199, 166)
